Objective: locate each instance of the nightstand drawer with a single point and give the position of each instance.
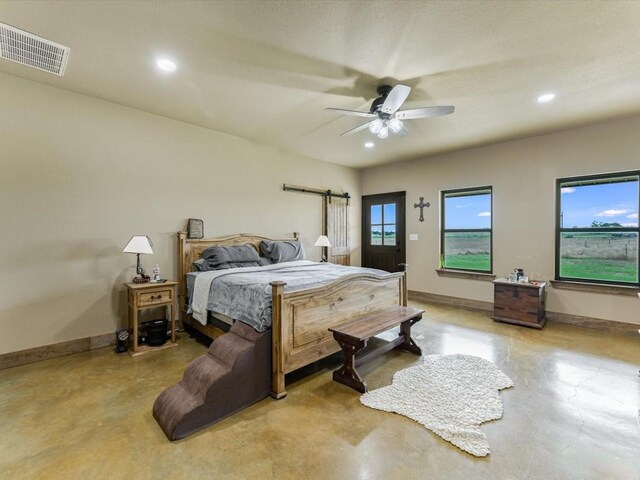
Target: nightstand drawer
(153, 298)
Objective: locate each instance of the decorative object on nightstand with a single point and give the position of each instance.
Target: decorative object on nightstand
(323, 241)
(519, 303)
(143, 297)
(139, 244)
(195, 228)
(156, 273)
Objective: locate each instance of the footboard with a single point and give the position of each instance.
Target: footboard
(301, 319)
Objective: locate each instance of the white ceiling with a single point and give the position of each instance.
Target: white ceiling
(265, 70)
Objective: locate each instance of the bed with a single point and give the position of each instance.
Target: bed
(300, 319)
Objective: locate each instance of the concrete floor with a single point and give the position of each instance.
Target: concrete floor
(573, 414)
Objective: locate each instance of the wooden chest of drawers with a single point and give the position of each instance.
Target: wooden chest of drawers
(519, 303)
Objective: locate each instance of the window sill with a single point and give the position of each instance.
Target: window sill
(485, 277)
(594, 287)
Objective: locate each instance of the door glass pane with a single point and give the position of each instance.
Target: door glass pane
(389, 213)
(376, 234)
(390, 235)
(609, 256)
(467, 250)
(376, 214)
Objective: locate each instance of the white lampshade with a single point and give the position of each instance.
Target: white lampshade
(322, 241)
(375, 126)
(395, 125)
(138, 244)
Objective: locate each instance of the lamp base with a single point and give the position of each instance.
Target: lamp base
(141, 278)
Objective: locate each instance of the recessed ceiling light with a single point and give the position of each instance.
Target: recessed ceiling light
(547, 97)
(369, 145)
(166, 65)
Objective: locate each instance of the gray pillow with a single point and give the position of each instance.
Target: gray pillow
(199, 265)
(286, 251)
(265, 261)
(235, 254)
(223, 266)
(203, 265)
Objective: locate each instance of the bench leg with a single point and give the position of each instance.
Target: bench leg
(405, 331)
(347, 374)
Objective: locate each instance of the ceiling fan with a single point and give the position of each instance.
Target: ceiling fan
(385, 113)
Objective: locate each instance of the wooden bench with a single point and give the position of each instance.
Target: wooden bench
(354, 334)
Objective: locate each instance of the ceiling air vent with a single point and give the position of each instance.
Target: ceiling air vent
(29, 49)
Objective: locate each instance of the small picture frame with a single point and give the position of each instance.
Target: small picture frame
(195, 228)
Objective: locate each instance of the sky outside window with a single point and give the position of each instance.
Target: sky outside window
(471, 211)
(604, 203)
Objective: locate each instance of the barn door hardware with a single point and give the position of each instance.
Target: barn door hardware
(316, 191)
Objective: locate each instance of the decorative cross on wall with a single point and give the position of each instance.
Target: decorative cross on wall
(421, 206)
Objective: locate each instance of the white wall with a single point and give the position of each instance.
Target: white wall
(79, 176)
(522, 174)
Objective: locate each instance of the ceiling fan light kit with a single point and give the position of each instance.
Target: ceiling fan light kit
(375, 126)
(395, 125)
(386, 114)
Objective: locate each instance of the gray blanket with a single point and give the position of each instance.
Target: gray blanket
(245, 294)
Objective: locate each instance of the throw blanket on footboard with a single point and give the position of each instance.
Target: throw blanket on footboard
(245, 293)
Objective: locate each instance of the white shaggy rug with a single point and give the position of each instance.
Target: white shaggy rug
(451, 395)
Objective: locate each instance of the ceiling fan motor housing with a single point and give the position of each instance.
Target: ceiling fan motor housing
(384, 90)
(376, 105)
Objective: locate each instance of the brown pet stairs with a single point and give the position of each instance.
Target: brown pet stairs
(233, 374)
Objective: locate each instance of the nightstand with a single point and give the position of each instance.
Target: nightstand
(142, 296)
(519, 303)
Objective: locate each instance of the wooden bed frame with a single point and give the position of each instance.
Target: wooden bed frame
(300, 319)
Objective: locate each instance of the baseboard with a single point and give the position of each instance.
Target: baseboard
(600, 324)
(466, 303)
(608, 326)
(37, 354)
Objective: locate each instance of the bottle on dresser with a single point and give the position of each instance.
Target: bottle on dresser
(156, 273)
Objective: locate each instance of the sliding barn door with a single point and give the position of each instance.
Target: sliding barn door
(336, 215)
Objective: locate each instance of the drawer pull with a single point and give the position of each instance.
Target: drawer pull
(156, 297)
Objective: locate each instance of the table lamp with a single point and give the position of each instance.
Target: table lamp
(139, 244)
(323, 242)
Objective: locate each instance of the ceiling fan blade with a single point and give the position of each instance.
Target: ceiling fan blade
(355, 130)
(355, 113)
(425, 112)
(395, 99)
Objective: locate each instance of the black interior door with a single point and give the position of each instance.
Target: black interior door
(383, 231)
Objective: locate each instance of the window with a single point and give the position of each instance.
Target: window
(383, 224)
(597, 229)
(466, 236)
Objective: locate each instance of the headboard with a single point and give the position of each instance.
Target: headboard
(189, 250)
